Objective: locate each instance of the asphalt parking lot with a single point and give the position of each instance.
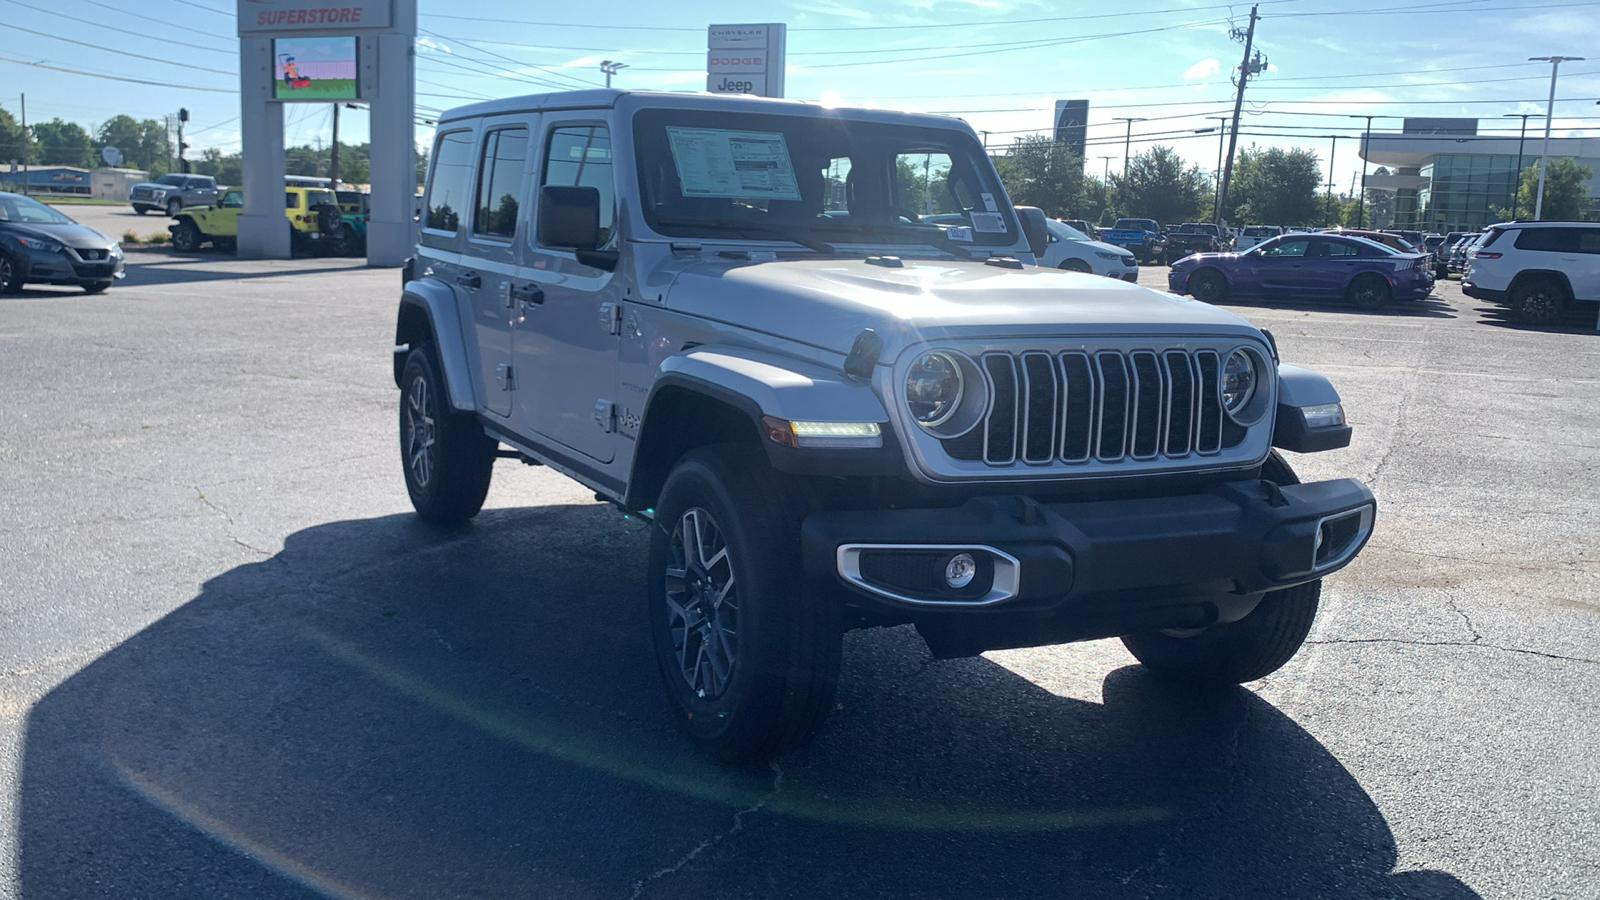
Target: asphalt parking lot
(232, 664)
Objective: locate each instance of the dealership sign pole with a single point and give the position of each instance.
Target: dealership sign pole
(746, 59)
(327, 51)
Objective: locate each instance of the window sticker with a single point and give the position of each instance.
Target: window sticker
(988, 223)
(961, 233)
(988, 202)
(749, 165)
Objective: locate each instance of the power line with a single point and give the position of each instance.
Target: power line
(186, 87)
(157, 59)
(164, 23)
(120, 31)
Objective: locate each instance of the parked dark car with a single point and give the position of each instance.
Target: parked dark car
(39, 245)
(1366, 273)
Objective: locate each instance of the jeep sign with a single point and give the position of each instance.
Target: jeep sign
(745, 59)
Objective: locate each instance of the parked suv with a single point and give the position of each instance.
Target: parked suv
(1536, 268)
(314, 216)
(173, 192)
(726, 316)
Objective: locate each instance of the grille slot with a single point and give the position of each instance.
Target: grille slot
(1101, 406)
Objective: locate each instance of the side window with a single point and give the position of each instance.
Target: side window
(580, 156)
(448, 184)
(1292, 248)
(1338, 249)
(1589, 240)
(500, 182)
(922, 185)
(291, 200)
(1558, 240)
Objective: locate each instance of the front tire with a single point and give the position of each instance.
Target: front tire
(96, 287)
(1208, 286)
(447, 458)
(1251, 648)
(1538, 302)
(1075, 265)
(174, 206)
(10, 275)
(749, 659)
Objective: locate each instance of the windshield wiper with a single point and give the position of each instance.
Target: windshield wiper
(806, 241)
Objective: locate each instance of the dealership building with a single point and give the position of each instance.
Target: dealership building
(1448, 177)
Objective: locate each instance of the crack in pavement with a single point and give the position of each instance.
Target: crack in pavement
(738, 823)
(1576, 659)
(201, 495)
(1451, 602)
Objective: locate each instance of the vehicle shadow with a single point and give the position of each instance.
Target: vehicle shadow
(1579, 318)
(384, 709)
(1430, 307)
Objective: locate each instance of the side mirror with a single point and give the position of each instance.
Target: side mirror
(569, 217)
(1034, 229)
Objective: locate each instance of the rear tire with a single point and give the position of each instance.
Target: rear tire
(748, 657)
(1539, 301)
(1251, 648)
(447, 458)
(1369, 292)
(186, 237)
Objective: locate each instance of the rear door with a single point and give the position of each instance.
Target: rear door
(1583, 267)
(1331, 265)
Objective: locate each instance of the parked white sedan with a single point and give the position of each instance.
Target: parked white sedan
(1074, 251)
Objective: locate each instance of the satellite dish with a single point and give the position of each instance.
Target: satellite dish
(112, 156)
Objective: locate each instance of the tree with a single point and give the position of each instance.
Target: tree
(1094, 202)
(1276, 187)
(226, 168)
(1157, 186)
(144, 144)
(1039, 171)
(63, 144)
(14, 143)
(1565, 199)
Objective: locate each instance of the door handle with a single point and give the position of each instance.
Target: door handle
(470, 280)
(527, 294)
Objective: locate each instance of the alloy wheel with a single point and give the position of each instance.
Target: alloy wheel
(420, 432)
(702, 604)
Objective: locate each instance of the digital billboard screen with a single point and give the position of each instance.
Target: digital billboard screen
(315, 68)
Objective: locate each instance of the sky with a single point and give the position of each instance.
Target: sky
(999, 64)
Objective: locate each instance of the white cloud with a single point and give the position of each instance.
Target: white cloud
(1203, 69)
(427, 44)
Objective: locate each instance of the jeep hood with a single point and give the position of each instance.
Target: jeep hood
(827, 302)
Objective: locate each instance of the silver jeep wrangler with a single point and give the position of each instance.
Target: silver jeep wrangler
(729, 316)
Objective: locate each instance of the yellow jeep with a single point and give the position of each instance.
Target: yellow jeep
(313, 215)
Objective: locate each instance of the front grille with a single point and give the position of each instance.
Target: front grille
(1103, 406)
(91, 255)
(141, 193)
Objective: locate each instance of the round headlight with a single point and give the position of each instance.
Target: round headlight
(1238, 381)
(934, 387)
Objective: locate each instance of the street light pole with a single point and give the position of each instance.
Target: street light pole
(1366, 148)
(1105, 177)
(611, 68)
(1327, 208)
(1516, 180)
(1127, 142)
(1549, 113)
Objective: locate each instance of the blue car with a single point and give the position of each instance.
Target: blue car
(1306, 266)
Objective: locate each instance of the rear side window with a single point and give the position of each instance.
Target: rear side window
(500, 182)
(1589, 240)
(450, 183)
(291, 200)
(1558, 240)
(580, 156)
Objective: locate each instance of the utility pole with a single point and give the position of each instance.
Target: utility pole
(333, 157)
(1216, 199)
(1105, 177)
(24, 144)
(183, 163)
(1366, 148)
(1127, 142)
(1549, 112)
(1246, 68)
(1327, 210)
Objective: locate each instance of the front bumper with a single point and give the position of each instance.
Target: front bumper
(1178, 281)
(1090, 569)
(64, 267)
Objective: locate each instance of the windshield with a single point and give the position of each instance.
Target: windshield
(727, 176)
(1134, 225)
(1066, 232)
(170, 179)
(1258, 231)
(16, 208)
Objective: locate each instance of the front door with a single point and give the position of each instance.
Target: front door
(569, 313)
(494, 220)
(1284, 266)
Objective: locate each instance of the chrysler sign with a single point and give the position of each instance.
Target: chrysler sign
(745, 59)
(258, 16)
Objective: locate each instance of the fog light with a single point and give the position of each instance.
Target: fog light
(960, 571)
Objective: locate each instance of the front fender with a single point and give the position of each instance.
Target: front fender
(428, 315)
(1298, 389)
(777, 385)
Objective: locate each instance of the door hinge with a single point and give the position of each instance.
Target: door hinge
(611, 317)
(507, 376)
(605, 415)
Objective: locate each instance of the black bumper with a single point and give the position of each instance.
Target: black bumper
(1240, 539)
(1478, 293)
